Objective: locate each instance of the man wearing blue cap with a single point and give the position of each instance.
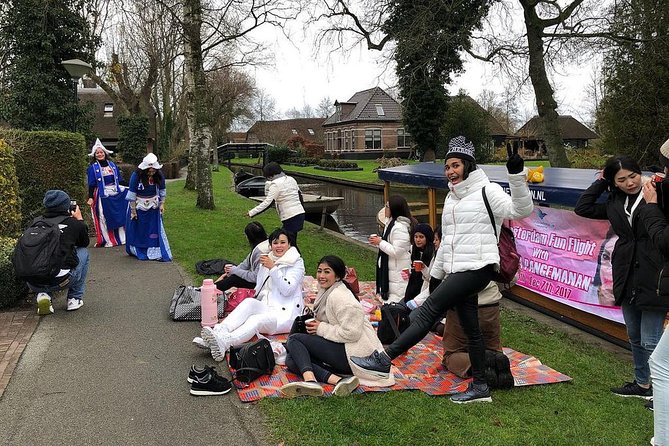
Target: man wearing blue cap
(73, 241)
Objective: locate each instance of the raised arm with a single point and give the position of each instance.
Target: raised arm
(587, 205)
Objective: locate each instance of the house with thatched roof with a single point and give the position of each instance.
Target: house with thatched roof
(279, 132)
(574, 133)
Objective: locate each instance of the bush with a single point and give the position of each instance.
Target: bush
(303, 161)
(47, 160)
(385, 163)
(13, 289)
(10, 206)
(339, 164)
(132, 135)
(313, 150)
(586, 158)
(278, 154)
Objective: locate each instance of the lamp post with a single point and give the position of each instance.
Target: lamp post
(76, 69)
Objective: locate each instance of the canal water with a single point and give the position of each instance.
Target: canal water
(356, 216)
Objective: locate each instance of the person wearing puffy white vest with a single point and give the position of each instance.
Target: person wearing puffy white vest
(394, 250)
(467, 259)
(285, 193)
(278, 299)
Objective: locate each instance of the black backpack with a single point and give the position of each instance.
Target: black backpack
(394, 320)
(252, 360)
(38, 256)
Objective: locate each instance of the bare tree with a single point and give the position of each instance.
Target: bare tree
(324, 108)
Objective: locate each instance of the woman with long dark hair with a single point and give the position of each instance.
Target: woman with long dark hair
(145, 234)
(636, 263)
(466, 261)
(339, 330)
(422, 256)
(394, 259)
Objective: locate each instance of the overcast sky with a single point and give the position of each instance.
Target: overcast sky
(301, 77)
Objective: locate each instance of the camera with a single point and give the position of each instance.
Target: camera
(73, 205)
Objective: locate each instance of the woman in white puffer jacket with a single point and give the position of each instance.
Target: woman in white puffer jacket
(394, 250)
(467, 257)
(285, 193)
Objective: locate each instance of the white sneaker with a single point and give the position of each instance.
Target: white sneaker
(346, 385)
(302, 388)
(218, 344)
(74, 304)
(200, 343)
(44, 306)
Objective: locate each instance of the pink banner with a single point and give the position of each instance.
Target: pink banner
(567, 258)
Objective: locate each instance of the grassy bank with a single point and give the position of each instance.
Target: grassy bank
(582, 412)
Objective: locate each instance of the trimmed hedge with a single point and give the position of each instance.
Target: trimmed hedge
(339, 164)
(47, 160)
(10, 205)
(279, 154)
(13, 290)
(132, 135)
(304, 161)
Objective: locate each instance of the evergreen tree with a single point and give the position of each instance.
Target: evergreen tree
(430, 37)
(633, 116)
(37, 35)
(466, 118)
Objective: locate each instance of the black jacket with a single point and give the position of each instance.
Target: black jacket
(636, 260)
(658, 229)
(75, 234)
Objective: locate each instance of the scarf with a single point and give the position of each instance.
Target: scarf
(322, 299)
(382, 273)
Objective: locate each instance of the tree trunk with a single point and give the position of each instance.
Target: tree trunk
(543, 91)
(429, 155)
(197, 110)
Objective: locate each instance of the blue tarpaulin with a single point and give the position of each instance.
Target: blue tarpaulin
(562, 186)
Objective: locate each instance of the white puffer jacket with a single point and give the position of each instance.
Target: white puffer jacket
(280, 288)
(398, 248)
(285, 193)
(468, 241)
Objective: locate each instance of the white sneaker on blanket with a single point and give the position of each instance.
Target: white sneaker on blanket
(218, 344)
(200, 343)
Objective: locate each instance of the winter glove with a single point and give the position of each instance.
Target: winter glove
(515, 163)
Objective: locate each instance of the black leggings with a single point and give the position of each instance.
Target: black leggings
(459, 291)
(234, 281)
(313, 353)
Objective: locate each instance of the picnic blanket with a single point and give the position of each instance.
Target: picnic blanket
(418, 369)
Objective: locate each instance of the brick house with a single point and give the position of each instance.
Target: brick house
(369, 123)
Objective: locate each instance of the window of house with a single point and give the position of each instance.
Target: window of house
(294, 131)
(379, 110)
(353, 139)
(403, 138)
(346, 139)
(339, 140)
(311, 131)
(372, 139)
(109, 110)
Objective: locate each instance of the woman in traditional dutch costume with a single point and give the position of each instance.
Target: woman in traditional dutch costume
(106, 197)
(145, 233)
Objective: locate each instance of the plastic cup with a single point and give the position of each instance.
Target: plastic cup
(308, 321)
(417, 265)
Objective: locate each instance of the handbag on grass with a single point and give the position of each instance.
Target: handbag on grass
(252, 360)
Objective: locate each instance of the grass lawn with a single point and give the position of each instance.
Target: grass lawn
(582, 412)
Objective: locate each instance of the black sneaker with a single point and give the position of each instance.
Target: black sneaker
(649, 405)
(504, 376)
(633, 390)
(475, 393)
(377, 364)
(197, 373)
(211, 384)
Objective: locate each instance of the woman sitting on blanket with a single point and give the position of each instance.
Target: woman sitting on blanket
(244, 275)
(278, 299)
(339, 329)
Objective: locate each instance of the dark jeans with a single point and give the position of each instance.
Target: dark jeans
(234, 281)
(458, 291)
(312, 353)
(294, 224)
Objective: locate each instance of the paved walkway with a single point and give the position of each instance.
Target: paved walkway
(113, 372)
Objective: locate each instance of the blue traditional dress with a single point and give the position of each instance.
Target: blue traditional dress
(145, 235)
(109, 203)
